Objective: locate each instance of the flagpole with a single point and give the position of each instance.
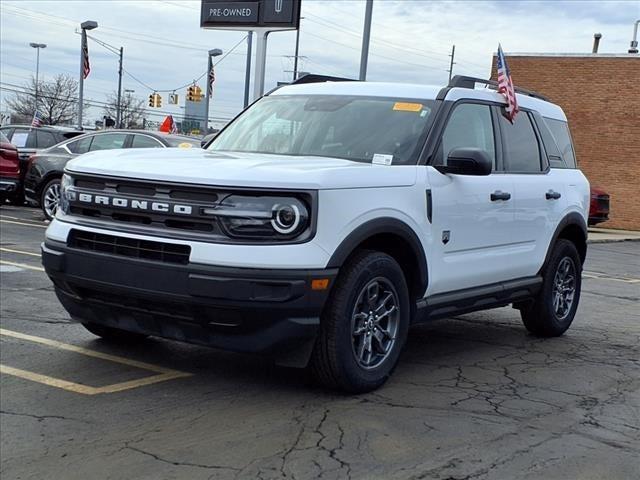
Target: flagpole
(88, 25)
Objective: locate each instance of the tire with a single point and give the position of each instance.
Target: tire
(50, 197)
(554, 308)
(114, 335)
(356, 352)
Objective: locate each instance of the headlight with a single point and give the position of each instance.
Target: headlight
(276, 218)
(65, 193)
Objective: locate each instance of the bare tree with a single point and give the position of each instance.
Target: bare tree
(133, 112)
(57, 100)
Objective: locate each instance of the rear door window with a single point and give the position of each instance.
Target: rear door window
(109, 141)
(145, 141)
(560, 131)
(521, 148)
(45, 139)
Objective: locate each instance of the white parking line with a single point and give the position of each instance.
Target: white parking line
(22, 265)
(22, 223)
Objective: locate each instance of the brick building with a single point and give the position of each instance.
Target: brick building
(600, 94)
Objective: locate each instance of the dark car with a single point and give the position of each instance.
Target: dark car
(42, 182)
(9, 169)
(206, 140)
(29, 140)
(599, 207)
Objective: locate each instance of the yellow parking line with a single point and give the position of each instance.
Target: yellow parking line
(163, 374)
(21, 252)
(21, 265)
(22, 223)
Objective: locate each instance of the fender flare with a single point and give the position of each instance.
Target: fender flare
(572, 218)
(388, 225)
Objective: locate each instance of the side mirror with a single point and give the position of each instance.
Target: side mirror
(467, 161)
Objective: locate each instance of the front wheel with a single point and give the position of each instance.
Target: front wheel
(552, 312)
(364, 325)
(50, 198)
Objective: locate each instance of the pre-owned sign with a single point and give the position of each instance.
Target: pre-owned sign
(247, 15)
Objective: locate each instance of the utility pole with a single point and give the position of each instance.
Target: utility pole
(247, 75)
(453, 52)
(118, 111)
(364, 54)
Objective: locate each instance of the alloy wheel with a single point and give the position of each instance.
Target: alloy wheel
(51, 199)
(564, 288)
(374, 323)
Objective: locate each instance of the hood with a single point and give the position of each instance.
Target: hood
(237, 169)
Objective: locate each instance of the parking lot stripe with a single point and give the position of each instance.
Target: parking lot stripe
(21, 219)
(21, 252)
(22, 265)
(22, 223)
(163, 374)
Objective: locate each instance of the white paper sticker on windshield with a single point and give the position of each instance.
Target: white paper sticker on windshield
(382, 159)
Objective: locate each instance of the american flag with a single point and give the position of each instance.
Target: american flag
(212, 80)
(505, 86)
(37, 119)
(86, 68)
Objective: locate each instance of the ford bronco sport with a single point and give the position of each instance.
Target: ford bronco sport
(325, 220)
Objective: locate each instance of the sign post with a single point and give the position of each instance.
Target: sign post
(259, 16)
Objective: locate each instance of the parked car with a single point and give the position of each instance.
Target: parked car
(42, 182)
(28, 140)
(599, 206)
(206, 140)
(9, 169)
(325, 220)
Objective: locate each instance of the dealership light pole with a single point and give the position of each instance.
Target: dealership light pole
(37, 46)
(88, 25)
(212, 53)
(128, 93)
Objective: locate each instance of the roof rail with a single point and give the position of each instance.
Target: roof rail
(314, 78)
(462, 81)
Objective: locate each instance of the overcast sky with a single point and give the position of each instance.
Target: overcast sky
(164, 46)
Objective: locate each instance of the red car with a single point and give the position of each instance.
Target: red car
(599, 207)
(9, 169)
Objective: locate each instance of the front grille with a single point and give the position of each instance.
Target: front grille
(194, 197)
(129, 247)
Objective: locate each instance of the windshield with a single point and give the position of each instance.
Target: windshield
(364, 129)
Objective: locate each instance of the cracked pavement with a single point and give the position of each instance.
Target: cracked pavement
(473, 397)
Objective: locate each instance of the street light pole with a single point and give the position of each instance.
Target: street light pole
(128, 93)
(88, 25)
(37, 46)
(364, 54)
(212, 53)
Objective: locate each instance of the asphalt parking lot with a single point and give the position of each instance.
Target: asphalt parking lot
(474, 397)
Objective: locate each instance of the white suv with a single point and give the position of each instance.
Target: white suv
(325, 220)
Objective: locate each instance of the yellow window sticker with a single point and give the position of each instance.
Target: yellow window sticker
(407, 107)
(184, 145)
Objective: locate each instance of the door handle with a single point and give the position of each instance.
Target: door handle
(551, 195)
(498, 195)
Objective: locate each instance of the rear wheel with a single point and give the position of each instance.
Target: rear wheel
(114, 335)
(552, 312)
(364, 325)
(50, 198)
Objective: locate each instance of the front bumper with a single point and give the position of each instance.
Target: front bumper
(248, 310)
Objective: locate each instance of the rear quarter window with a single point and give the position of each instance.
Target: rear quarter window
(560, 131)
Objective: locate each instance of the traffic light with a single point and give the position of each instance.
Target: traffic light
(155, 100)
(191, 93)
(198, 94)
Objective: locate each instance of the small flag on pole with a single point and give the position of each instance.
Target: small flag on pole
(37, 119)
(505, 85)
(86, 68)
